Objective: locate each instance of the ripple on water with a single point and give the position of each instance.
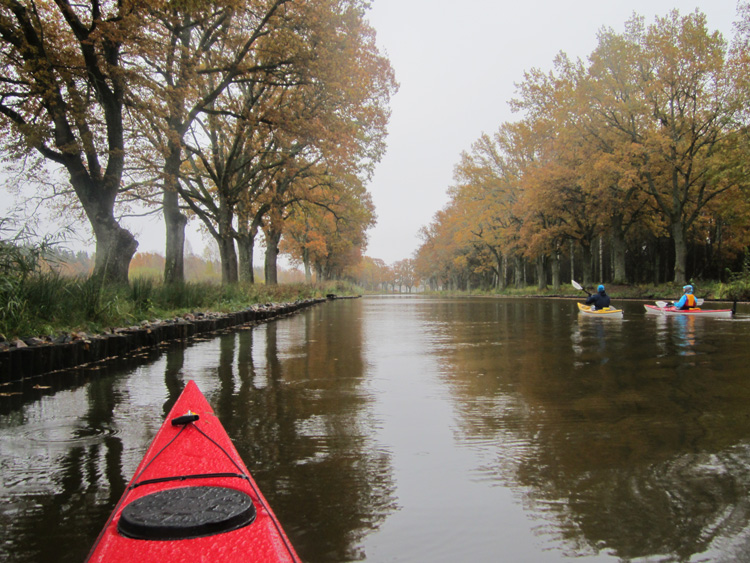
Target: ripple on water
(34, 455)
(65, 432)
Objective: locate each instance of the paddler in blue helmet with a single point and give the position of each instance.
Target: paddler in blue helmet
(598, 300)
(687, 301)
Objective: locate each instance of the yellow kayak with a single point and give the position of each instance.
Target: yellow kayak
(607, 312)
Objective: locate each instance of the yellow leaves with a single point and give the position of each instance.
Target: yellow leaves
(253, 104)
(638, 137)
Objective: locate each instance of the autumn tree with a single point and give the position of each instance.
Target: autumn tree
(487, 189)
(321, 229)
(643, 140)
(327, 233)
(613, 167)
(305, 240)
(406, 274)
(64, 86)
(443, 260)
(233, 155)
(580, 186)
(341, 118)
(275, 144)
(680, 112)
(371, 273)
(191, 53)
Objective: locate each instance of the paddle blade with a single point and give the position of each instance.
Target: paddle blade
(578, 286)
(698, 301)
(662, 304)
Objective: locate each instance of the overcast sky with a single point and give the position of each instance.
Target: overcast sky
(457, 63)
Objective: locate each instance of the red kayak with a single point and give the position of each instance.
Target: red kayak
(695, 312)
(192, 499)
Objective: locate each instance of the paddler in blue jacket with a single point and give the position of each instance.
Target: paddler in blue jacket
(687, 301)
(598, 300)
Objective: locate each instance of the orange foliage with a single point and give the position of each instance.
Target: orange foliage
(640, 142)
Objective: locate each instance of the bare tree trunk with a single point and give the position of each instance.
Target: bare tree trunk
(541, 273)
(272, 254)
(175, 221)
(618, 250)
(115, 248)
(519, 271)
(680, 252)
(225, 240)
(587, 264)
(306, 262)
(245, 250)
(556, 271)
(228, 260)
(504, 273)
(572, 260)
(248, 223)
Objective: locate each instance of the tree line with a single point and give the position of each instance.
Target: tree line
(253, 116)
(375, 275)
(628, 167)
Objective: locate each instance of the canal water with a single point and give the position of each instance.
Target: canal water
(420, 429)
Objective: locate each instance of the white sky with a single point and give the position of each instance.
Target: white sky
(457, 63)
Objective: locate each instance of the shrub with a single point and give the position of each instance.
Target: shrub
(738, 287)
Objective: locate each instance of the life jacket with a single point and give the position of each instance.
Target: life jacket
(690, 302)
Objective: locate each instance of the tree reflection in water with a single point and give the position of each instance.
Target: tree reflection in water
(291, 402)
(295, 409)
(620, 443)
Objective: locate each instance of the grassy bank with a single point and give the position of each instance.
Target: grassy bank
(47, 304)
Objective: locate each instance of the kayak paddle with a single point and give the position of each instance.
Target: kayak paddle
(578, 286)
(662, 304)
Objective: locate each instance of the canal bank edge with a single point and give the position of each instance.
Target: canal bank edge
(19, 363)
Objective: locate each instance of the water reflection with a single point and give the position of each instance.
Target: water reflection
(289, 394)
(590, 336)
(677, 334)
(63, 458)
(613, 454)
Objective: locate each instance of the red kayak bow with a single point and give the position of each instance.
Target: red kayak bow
(192, 499)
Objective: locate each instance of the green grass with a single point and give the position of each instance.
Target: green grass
(47, 304)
